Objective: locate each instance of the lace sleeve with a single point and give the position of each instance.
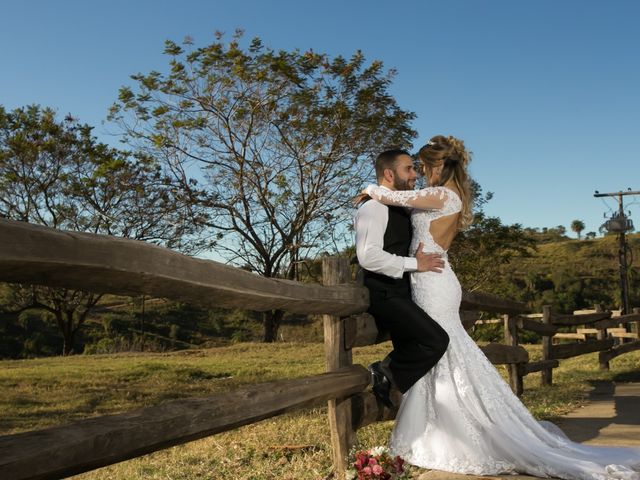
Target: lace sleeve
(431, 198)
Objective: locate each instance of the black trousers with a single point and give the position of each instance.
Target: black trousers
(418, 341)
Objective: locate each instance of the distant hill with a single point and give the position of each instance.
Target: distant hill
(570, 274)
(598, 256)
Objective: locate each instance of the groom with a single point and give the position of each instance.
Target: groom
(383, 237)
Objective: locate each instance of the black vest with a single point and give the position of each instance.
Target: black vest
(397, 239)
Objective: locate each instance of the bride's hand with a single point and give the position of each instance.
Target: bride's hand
(360, 198)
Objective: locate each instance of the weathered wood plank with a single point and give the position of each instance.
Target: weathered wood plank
(42, 255)
(68, 450)
(500, 354)
(535, 326)
(546, 378)
(614, 313)
(624, 335)
(569, 320)
(489, 303)
(612, 322)
(367, 409)
(542, 365)
(608, 355)
(361, 330)
(101, 263)
(630, 317)
(511, 339)
(569, 336)
(615, 330)
(569, 350)
(587, 331)
(335, 271)
(634, 325)
(469, 318)
(601, 335)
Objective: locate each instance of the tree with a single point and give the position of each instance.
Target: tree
(55, 173)
(479, 253)
(274, 144)
(590, 235)
(577, 226)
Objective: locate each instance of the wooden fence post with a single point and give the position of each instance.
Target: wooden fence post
(547, 373)
(511, 338)
(635, 326)
(602, 335)
(336, 271)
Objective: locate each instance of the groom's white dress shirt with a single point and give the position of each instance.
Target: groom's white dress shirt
(370, 224)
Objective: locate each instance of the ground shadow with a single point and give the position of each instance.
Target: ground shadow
(633, 376)
(625, 410)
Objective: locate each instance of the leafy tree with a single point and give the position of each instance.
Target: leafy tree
(54, 173)
(479, 253)
(577, 226)
(560, 229)
(549, 235)
(274, 144)
(590, 235)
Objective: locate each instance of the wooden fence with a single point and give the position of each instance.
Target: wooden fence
(595, 331)
(40, 255)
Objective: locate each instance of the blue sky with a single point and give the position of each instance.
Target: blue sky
(545, 93)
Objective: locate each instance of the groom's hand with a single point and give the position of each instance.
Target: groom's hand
(429, 262)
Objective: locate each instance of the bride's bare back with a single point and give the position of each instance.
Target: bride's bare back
(444, 229)
(439, 207)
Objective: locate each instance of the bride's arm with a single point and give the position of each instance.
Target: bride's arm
(430, 198)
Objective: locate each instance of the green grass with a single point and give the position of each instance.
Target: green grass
(43, 392)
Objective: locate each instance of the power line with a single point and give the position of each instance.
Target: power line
(620, 223)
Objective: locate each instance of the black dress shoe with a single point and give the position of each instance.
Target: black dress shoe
(381, 385)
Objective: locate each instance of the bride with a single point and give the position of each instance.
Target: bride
(462, 416)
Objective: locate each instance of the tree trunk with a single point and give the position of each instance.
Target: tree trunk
(68, 335)
(68, 332)
(271, 320)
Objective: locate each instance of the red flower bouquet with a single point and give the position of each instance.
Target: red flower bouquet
(377, 464)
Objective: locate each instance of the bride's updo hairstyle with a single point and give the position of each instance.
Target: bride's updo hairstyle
(449, 152)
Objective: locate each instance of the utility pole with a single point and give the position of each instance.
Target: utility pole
(619, 223)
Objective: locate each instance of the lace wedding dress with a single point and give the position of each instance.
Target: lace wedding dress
(462, 416)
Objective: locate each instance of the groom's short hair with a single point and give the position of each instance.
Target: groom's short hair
(387, 159)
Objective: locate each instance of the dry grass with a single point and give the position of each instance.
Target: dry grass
(44, 392)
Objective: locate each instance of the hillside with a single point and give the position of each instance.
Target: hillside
(570, 274)
(596, 257)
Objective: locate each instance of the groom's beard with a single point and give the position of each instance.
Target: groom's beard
(400, 184)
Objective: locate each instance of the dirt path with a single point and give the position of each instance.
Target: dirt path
(612, 417)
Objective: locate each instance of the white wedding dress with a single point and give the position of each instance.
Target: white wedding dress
(462, 416)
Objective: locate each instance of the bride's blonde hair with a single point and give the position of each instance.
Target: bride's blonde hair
(454, 158)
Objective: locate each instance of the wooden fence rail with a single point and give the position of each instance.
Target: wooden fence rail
(602, 324)
(40, 255)
(88, 444)
(37, 254)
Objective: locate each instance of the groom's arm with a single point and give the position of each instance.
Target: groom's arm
(370, 224)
